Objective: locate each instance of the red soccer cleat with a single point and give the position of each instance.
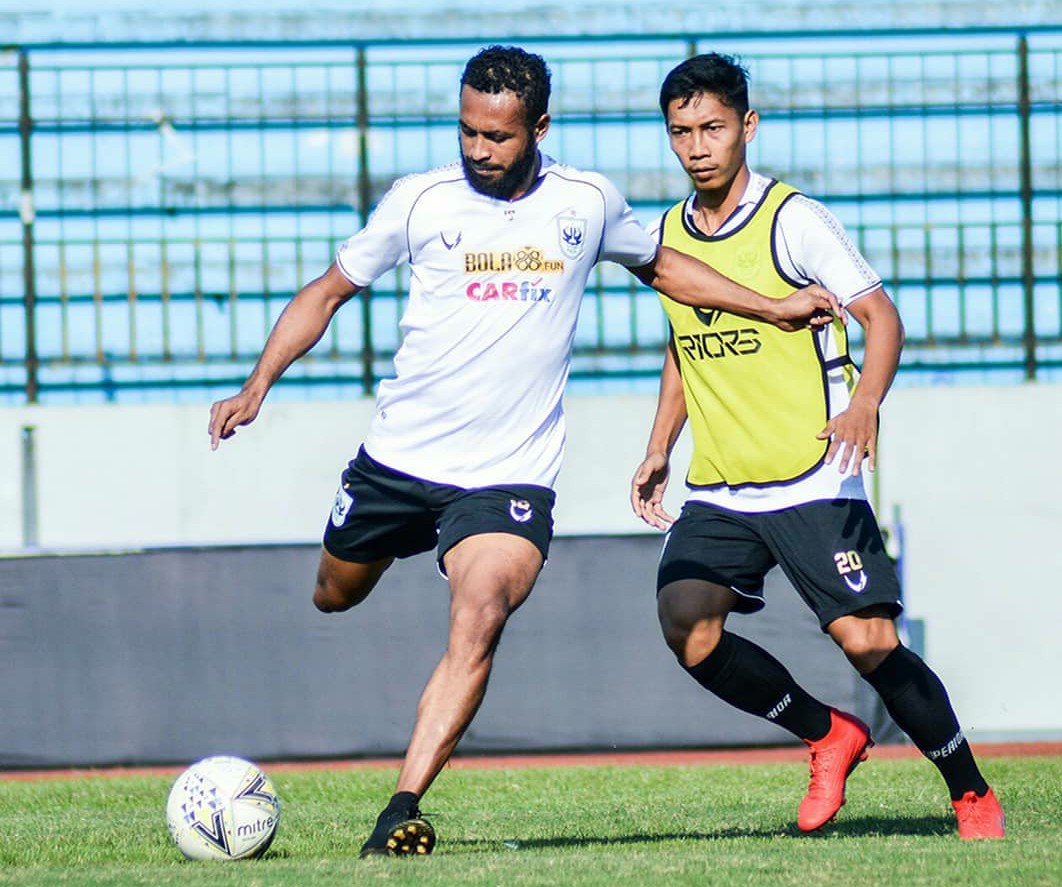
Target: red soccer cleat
(833, 758)
(979, 818)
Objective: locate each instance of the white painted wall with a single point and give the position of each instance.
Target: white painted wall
(973, 472)
(977, 476)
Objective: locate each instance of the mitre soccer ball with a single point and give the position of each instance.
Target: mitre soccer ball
(223, 807)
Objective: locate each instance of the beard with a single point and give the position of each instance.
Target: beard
(502, 187)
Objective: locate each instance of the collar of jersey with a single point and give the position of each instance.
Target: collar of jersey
(753, 194)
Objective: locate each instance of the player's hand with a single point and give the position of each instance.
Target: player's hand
(853, 437)
(813, 306)
(647, 491)
(226, 415)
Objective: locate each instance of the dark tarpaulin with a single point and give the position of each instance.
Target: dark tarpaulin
(165, 656)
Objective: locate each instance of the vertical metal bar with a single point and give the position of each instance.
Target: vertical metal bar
(198, 240)
(267, 294)
(368, 376)
(963, 295)
(960, 281)
(63, 270)
(894, 255)
(927, 253)
(164, 296)
(130, 241)
(234, 295)
(27, 214)
(97, 262)
(30, 503)
(97, 295)
(197, 272)
(64, 300)
(1025, 159)
(994, 282)
(263, 190)
(131, 292)
(234, 269)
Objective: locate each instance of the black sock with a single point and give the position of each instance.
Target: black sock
(749, 678)
(919, 704)
(401, 802)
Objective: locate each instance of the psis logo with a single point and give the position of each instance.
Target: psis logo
(571, 235)
(520, 510)
(748, 261)
(850, 566)
(341, 507)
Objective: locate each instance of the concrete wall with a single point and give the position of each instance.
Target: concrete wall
(973, 474)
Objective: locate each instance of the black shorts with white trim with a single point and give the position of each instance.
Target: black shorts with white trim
(380, 513)
(831, 551)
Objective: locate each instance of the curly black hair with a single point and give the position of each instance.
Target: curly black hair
(499, 68)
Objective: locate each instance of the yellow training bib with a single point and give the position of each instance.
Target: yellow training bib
(756, 396)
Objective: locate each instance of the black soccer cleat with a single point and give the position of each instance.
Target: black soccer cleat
(400, 834)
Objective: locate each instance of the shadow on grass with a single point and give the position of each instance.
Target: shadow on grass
(877, 826)
(857, 827)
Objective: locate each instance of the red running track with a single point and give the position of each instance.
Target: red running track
(573, 759)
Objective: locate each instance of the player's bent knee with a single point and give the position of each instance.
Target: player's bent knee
(341, 585)
(867, 652)
(328, 601)
(675, 635)
(691, 620)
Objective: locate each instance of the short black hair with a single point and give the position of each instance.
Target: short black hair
(722, 76)
(499, 68)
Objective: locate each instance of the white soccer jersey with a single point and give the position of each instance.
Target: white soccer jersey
(495, 289)
(811, 246)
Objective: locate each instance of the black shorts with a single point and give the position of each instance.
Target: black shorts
(380, 513)
(832, 552)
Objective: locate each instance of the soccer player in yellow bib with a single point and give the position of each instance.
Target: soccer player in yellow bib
(464, 450)
(782, 425)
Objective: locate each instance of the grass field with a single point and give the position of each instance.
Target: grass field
(586, 825)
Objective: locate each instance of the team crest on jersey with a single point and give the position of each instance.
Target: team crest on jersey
(571, 235)
(341, 507)
(520, 510)
(748, 261)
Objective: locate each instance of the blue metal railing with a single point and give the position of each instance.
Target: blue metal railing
(160, 203)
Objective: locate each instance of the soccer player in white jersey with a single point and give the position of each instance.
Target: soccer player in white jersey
(466, 442)
(781, 427)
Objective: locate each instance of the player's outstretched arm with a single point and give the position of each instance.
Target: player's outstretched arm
(650, 479)
(853, 434)
(691, 282)
(299, 327)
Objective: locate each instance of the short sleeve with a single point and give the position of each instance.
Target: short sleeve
(624, 240)
(382, 244)
(813, 246)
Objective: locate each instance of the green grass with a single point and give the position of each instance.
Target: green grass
(708, 826)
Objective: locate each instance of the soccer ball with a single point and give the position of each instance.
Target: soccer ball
(223, 807)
